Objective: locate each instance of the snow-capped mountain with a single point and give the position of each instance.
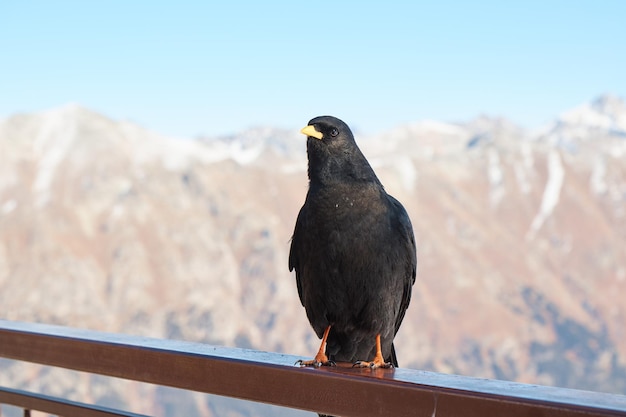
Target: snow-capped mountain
(521, 240)
(607, 113)
(603, 119)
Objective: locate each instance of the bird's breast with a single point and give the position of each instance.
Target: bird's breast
(345, 202)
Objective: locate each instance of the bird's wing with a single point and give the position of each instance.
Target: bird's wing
(296, 249)
(410, 254)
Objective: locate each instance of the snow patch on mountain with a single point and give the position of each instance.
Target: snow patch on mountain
(406, 171)
(496, 177)
(436, 127)
(248, 146)
(552, 192)
(597, 180)
(53, 141)
(8, 206)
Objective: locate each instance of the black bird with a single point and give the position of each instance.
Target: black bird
(353, 250)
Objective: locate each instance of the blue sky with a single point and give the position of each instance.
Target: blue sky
(201, 68)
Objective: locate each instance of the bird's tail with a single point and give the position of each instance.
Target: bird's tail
(393, 359)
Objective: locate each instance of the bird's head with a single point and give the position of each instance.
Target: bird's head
(333, 153)
(328, 128)
(329, 135)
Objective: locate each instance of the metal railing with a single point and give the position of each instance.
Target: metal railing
(272, 378)
(57, 406)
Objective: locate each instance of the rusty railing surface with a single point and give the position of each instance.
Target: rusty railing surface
(272, 378)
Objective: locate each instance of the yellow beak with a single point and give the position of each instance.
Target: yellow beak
(310, 131)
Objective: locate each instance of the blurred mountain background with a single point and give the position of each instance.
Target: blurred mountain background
(521, 244)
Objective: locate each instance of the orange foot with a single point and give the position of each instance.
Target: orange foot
(378, 362)
(320, 359)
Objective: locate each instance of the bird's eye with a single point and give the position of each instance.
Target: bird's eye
(334, 132)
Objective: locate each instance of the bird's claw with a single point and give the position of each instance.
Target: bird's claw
(303, 363)
(372, 365)
(363, 364)
(315, 363)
